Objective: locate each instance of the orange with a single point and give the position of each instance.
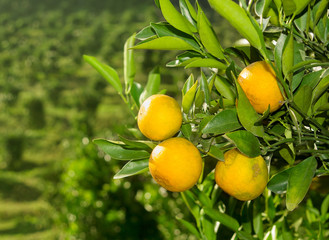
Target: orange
(258, 81)
(240, 176)
(159, 117)
(175, 164)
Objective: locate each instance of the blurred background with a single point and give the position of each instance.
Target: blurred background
(54, 183)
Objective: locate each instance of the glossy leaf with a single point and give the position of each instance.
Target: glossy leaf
(175, 18)
(145, 33)
(138, 144)
(164, 43)
(247, 114)
(323, 6)
(208, 36)
(223, 218)
(152, 86)
(188, 84)
(238, 18)
(288, 57)
(224, 88)
(299, 181)
(246, 142)
(106, 71)
(165, 29)
(206, 62)
(188, 98)
(223, 122)
(278, 51)
(279, 182)
(135, 92)
(289, 7)
(132, 168)
(186, 130)
(188, 11)
(118, 151)
(129, 68)
(208, 227)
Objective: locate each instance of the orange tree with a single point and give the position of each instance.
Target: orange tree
(262, 100)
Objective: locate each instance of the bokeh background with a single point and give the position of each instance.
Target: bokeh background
(54, 183)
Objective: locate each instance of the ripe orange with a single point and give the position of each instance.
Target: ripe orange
(175, 164)
(240, 176)
(159, 117)
(258, 81)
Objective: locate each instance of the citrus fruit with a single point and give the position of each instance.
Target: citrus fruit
(175, 164)
(258, 81)
(159, 117)
(240, 176)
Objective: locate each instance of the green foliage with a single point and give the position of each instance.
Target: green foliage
(292, 36)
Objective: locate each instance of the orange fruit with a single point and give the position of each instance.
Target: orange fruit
(258, 81)
(240, 176)
(159, 117)
(175, 164)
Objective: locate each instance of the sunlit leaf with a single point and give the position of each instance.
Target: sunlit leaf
(206, 62)
(216, 152)
(106, 71)
(175, 18)
(288, 57)
(208, 36)
(164, 43)
(188, 11)
(320, 89)
(238, 18)
(188, 98)
(129, 63)
(302, 100)
(132, 168)
(224, 88)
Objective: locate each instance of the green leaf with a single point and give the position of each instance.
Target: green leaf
(106, 71)
(288, 57)
(278, 51)
(138, 144)
(135, 92)
(188, 11)
(186, 130)
(208, 227)
(289, 6)
(247, 114)
(323, 6)
(164, 43)
(238, 18)
(299, 181)
(320, 89)
(152, 86)
(132, 168)
(190, 201)
(206, 62)
(223, 86)
(300, 5)
(175, 18)
(324, 208)
(257, 219)
(165, 29)
(302, 100)
(145, 33)
(118, 151)
(223, 122)
(287, 154)
(261, 7)
(244, 235)
(246, 142)
(208, 36)
(279, 182)
(223, 218)
(188, 84)
(188, 98)
(189, 226)
(204, 88)
(129, 68)
(216, 153)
